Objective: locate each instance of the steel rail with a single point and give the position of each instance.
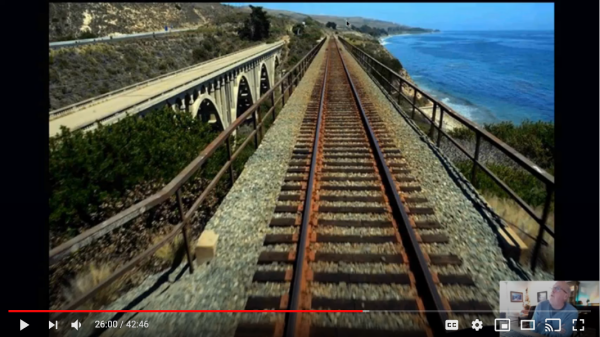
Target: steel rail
(293, 318)
(428, 290)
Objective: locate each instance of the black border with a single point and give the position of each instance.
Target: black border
(576, 245)
(26, 215)
(27, 162)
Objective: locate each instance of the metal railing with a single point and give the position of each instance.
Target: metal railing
(287, 84)
(385, 76)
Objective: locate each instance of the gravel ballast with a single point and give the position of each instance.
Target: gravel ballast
(241, 222)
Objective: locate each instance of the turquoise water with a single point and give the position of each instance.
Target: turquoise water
(486, 76)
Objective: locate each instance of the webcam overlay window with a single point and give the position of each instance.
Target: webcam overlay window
(548, 308)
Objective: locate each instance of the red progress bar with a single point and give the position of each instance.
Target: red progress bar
(47, 311)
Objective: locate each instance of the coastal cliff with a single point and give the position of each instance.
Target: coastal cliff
(374, 47)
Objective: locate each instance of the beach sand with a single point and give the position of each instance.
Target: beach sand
(448, 123)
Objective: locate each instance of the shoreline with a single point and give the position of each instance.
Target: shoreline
(382, 40)
(448, 123)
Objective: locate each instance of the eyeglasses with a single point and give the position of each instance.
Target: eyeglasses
(557, 288)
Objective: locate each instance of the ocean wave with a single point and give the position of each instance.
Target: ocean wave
(465, 110)
(519, 84)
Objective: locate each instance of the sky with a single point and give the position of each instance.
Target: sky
(443, 16)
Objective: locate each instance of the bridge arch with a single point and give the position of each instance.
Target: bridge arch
(178, 103)
(265, 79)
(209, 112)
(244, 97)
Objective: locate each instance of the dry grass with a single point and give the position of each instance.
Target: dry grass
(172, 253)
(89, 279)
(526, 227)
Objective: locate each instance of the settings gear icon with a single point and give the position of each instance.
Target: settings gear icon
(477, 324)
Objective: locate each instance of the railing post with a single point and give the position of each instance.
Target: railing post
(260, 128)
(474, 170)
(231, 177)
(282, 94)
(540, 237)
(273, 104)
(400, 91)
(254, 122)
(291, 83)
(184, 231)
(414, 103)
(432, 120)
(440, 127)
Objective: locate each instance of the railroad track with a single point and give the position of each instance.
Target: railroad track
(349, 230)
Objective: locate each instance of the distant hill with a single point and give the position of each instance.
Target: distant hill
(341, 21)
(68, 20)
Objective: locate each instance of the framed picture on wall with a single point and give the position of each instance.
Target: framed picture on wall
(542, 296)
(516, 296)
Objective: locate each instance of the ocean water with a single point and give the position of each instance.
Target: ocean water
(488, 77)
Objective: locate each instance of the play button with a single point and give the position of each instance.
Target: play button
(23, 325)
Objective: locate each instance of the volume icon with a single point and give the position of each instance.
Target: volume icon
(76, 325)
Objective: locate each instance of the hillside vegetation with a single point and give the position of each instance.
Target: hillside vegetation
(106, 18)
(79, 73)
(303, 39)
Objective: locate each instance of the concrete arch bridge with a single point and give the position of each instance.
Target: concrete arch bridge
(217, 91)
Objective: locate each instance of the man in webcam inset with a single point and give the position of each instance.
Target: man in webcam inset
(556, 306)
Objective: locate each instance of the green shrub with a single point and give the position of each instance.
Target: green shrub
(462, 133)
(88, 168)
(199, 54)
(534, 140)
(529, 188)
(87, 35)
(300, 45)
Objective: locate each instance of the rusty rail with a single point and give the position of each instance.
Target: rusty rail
(293, 319)
(173, 187)
(427, 290)
(385, 76)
